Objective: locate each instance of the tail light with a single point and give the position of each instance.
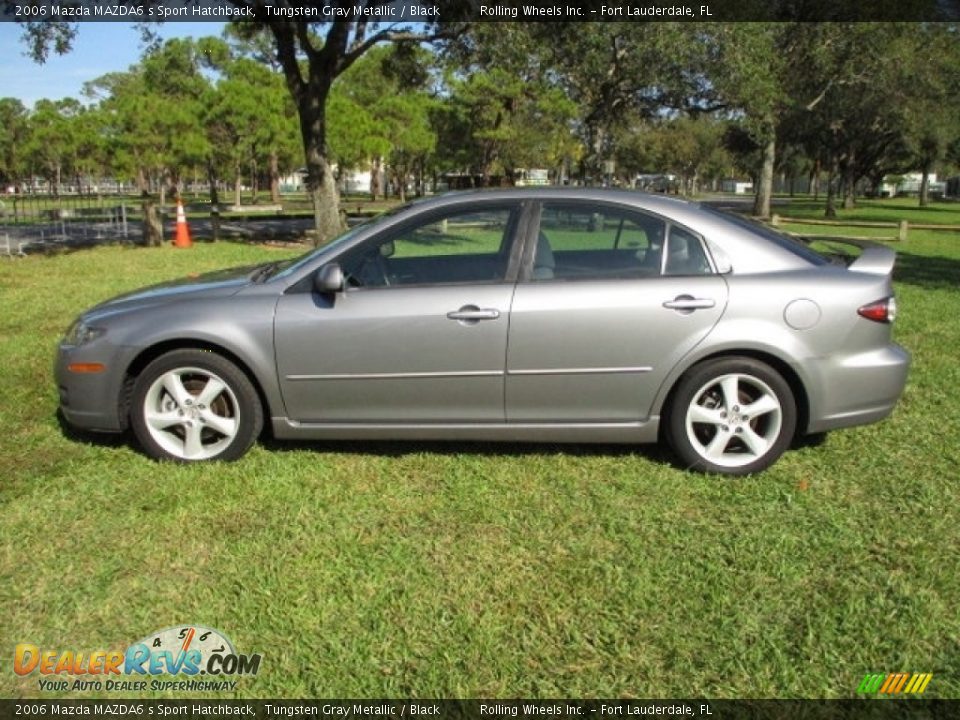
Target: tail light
(884, 311)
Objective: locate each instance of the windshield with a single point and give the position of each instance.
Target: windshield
(288, 267)
(788, 243)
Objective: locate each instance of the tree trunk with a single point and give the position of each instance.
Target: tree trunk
(925, 187)
(761, 204)
(849, 184)
(321, 185)
(214, 201)
(849, 199)
(254, 182)
(237, 189)
(274, 179)
(831, 210)
(376, 179)
(322, 190)
(815, 180)
(152, 229)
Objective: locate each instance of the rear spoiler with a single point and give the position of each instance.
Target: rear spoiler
(874, 258)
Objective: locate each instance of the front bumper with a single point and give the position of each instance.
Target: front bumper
(91, 401)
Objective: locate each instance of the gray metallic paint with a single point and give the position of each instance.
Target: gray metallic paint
(388, 363)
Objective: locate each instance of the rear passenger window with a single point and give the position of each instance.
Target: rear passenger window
(685, 254)
(596, 242)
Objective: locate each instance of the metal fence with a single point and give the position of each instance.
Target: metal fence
(41, 223)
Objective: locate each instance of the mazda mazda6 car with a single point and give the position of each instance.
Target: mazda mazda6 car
(561, 315)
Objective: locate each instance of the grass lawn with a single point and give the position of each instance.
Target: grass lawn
(480, 570)
(886, 210)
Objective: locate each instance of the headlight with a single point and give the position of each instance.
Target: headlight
(80, 333)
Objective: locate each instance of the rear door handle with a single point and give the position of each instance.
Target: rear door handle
(689, 303)
(471, 314)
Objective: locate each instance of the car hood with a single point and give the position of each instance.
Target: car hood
(213, 284)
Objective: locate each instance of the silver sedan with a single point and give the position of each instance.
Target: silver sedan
(556, 315)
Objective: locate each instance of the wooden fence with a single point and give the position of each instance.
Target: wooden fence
(902, 227)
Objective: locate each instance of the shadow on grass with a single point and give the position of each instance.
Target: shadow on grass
(88, 437)
(395, 448)
(401, 448)
(658, 453)
(928, 271)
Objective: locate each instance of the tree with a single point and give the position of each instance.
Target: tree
(247, 120)
(930, 116)
(310, 83)
(748, 65)
(250, 97)
(153, 117)
(14, 126)
(689, 147)
(382, 115)
(310, 64)
(881, 96)
(504, 107)
(618, 73)
(51, 143)
(695, 151)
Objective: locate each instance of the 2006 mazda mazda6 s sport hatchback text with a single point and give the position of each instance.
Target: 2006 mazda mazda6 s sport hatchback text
(526, 315)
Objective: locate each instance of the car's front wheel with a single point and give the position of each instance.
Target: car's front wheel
(733, 415)
(190, 405)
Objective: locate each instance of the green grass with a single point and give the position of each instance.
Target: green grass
(481, 570)
(888, 210)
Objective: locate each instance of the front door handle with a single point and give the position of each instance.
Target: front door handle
(471, 314)
(688, 303)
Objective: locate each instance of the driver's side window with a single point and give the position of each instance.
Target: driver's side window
(459, 247)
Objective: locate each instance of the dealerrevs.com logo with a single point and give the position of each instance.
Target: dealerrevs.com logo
(201, 658)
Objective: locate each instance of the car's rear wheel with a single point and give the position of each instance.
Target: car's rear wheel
(191, 405)
(733, 415)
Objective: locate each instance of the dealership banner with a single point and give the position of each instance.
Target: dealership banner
(430, 11)
(558, 709)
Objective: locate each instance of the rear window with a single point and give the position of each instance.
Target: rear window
(788, 243)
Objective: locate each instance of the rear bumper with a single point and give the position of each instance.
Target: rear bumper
(859, 389)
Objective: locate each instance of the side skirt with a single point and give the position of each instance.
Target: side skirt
(638, 432)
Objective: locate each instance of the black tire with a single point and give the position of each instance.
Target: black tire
(221, 425)
(709, 430)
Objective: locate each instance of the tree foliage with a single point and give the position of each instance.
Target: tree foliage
(854, 101)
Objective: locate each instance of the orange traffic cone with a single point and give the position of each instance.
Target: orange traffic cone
(182, 238)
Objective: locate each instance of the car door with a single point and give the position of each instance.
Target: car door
(419, 334)
(609, 301)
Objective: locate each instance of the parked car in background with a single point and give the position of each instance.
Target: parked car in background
(544, 314)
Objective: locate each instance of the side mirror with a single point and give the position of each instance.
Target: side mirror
(328, 279)
(387, 249)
